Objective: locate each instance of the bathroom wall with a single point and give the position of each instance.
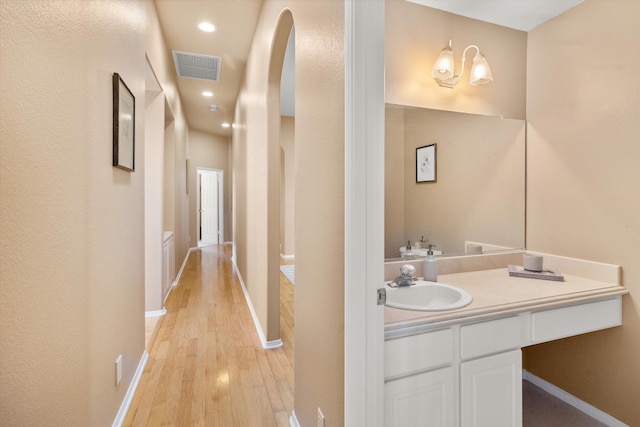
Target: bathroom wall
(209, 151)
(583, 180)
(319, 196)
(414, 37)
(394, 203)
(72, 225)
(480, 189)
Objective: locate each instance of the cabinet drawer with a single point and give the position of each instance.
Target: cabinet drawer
(406, 355)
(578, 319)
(485, 338)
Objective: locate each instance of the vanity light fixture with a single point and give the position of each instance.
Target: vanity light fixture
(444, 72)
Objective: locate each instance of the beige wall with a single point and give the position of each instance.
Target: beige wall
(175, 210)
(72, 226)
(414, 37)
(319, 196)
(153, 192)
(480, 189)
(287, 182)
(210, 152)
(583, 179)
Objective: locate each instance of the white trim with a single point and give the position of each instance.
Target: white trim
(579, 404)
(293, 420)
(128, 398)
(267, 345)
(177, 280)
(156, 313)
(364, 213)
(184, 263)
(287, 257)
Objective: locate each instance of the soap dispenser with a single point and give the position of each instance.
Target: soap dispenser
(430, 267)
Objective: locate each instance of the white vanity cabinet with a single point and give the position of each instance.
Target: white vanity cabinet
(491, 390)
(425, 399)
(420, 380)
(491, 373)
(470, 373)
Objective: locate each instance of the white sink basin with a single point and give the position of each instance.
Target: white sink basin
(427, 296)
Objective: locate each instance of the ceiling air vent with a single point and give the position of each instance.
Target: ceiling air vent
(194, 66)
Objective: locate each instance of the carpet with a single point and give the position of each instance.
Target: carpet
(289, 272)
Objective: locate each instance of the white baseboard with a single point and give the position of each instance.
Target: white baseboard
(293, 421)
(579, 404)
(177, 279)
(267, 345)
(184, 262)
(155, 313)
(287, 257)
(128, 398)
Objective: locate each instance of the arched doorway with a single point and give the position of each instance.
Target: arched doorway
(278, 51)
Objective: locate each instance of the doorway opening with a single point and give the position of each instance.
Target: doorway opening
(210, 191)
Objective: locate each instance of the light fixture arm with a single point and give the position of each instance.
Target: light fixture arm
(464, 56)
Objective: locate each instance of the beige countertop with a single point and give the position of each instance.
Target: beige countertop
(496, 294)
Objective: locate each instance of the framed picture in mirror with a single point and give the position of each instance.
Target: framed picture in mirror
(426, 163)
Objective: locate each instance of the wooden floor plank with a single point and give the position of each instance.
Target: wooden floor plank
(206, 364)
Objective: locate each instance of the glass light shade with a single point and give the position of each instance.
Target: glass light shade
(480, 71)
(443, 67)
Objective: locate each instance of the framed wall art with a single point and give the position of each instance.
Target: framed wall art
(426, 163)
(124, 125)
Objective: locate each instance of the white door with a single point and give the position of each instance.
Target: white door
(209, 208)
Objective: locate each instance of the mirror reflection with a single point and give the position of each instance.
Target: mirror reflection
(476, 202)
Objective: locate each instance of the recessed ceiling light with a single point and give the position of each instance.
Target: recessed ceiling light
(207, 27)
(225, 125)
(207, 93)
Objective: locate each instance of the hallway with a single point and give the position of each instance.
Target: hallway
(206, 366)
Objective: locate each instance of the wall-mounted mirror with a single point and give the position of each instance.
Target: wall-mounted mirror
(478, 196)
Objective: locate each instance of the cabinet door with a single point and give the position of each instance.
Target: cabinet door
(421, 400)
(491, 391)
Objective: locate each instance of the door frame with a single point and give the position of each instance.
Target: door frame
(220, 172)
(364, 213)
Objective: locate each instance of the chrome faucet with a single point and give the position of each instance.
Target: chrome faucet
(406, 277)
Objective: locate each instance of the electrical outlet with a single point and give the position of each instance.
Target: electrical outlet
(118, 369)
(320, 418)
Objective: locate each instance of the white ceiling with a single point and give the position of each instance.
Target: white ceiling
(235, 22)
(523, 15)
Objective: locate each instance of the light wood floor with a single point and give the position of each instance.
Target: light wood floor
(206, 366)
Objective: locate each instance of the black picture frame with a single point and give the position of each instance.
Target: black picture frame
(426, 163)
(124, 125)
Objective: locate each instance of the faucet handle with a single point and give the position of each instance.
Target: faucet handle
(408, 270)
